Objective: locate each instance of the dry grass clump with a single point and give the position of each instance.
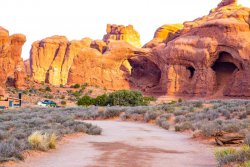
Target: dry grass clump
(42, 141)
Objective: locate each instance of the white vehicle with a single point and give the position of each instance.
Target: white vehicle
(40, 103)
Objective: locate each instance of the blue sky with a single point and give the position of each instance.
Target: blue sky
(76, 19)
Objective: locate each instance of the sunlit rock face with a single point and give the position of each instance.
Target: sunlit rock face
(210, 55)
(163, 34)
(51, 58)
(108, 69)
(10, 54)
(124, 33)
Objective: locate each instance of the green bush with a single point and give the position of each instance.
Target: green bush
(118, 98)
(76, 86)
(102, 100)
(48, 89)
(85, 101)
(126, 98)
(76, 94)
(63, 103)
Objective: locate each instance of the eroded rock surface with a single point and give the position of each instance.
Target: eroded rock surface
(125, 33)
(10, 54)
(210, 56)
(104, 70)
(52, 57)
(164, 33)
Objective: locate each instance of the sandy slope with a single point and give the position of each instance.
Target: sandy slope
(127, 144)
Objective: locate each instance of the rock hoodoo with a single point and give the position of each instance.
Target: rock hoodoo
(10, 54)
(125, 33)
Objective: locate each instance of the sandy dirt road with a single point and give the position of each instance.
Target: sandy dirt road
(126, 144)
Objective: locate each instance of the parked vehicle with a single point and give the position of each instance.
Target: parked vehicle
(47, 103)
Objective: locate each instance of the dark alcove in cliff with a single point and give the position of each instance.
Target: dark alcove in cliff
(144, 73)
(224, 67)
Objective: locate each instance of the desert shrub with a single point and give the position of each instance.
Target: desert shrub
(162, 122)
(94, 130)
(49, 96)
(198, 104)
(183, 126)
(76, 86)
(220, 154)
(126, 98)
(102, 100)
(180, 118)
(62, 97)
(231, 155)
(180, 100)
(112, 112)
(248, 109)
(243, 115)
(210, 129)
(180, 112)
(247, 139)
(81, 128)
(48, 89)
(63, 103)
(77, 94)
(168, 108)
(11, 150)
(150, 116)
(85, 101)
(148, 99)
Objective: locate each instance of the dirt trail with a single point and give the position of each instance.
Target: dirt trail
(127, 144)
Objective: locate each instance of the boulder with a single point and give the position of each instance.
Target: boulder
(125, 33)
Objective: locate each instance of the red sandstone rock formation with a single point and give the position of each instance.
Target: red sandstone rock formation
(125, 33)
(19, 76)
(105, 70)
(207, 56)
(52, 57)
(10, 53)
(210, 56)
(27, 67)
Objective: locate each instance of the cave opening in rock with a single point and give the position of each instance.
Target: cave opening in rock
(224, 67)
(142, 73)
(191, 71)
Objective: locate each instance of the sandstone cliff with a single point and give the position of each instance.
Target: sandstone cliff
(52, 57)
(105, 68)
(10, 54)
